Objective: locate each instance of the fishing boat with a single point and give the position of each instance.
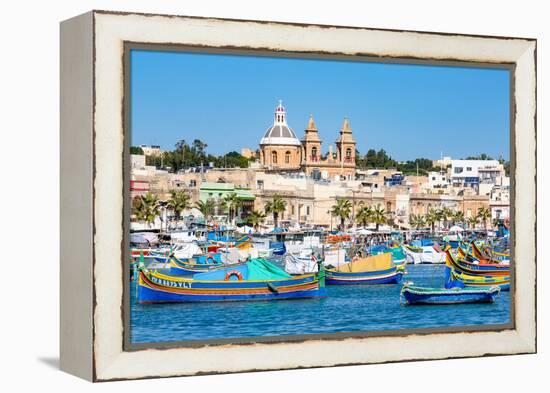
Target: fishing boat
(411, 295)
(466, 263)
(488, 254)
(503, 282)
(376, 269)
(418, 253)
(196, 264)
(457, 277)
(257, 279)
(398, 255)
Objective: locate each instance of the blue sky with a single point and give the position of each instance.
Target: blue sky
(228, 102)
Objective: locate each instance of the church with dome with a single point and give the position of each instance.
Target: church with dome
(282, 151)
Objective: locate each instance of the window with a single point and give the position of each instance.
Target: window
(274, 157)
(260, 184)
(348, 153)
(287, 157)
(307, 211)
(292, 209)
(459, 169)
(192, 183)
(468, 168)
(314, 152)
(433, 178)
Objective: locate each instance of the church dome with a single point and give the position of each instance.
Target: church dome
(280, 133)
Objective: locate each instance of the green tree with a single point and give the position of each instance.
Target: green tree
(458, 217)
(364, 215)
(255, 218)
(221, 206)
(482, 156)
(379, 216)
(446, 215)
(179, 201)
(136, 150)
(275, 206)
(233, 203)
(342, 209)
(206, 208)
(473, 221)
(484, 214)
(417, 221)
(431, 218)
(147, 208)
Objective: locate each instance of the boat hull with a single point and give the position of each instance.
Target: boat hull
(152, 289)
(431, 296)
(389, 276)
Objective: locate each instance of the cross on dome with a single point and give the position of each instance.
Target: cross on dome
(280, 133)
(280, 114)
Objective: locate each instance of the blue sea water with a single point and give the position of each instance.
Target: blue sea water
(345, 309)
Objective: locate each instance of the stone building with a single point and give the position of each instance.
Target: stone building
(280, 150)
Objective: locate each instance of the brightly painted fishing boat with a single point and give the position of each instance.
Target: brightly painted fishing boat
(411, 295)
(457, 278)
(398, 255)
(488, 255)
(377, 269)
(197, 264)
(257, 279)
(466, 264)
(503, 282)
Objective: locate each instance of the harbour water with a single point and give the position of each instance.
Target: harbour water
(345, 309)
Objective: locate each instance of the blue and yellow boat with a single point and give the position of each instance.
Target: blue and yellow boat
(377, 269)
(455, 276)
(197, 264)
(257, 279)
(411, 295)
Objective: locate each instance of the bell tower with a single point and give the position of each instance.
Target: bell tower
(311, 145)
(345, 147)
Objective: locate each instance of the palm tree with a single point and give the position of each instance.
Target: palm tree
(447, 215)
(431, 218)
(342, 209)
(379, 216)
(221, 206)
(484, 214)
(206, 208)
(275, 206)
(473, 221)
(147, 208)
(458, 217)
(255, 218)
(364, 215)
(439, 214)
(417, 221)
(179, 201)
(233, 202)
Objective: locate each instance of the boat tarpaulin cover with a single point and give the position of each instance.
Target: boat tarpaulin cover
(255, 270)
(368, 264)
(260, 269)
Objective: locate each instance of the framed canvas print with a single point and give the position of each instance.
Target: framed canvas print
(248, 195)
